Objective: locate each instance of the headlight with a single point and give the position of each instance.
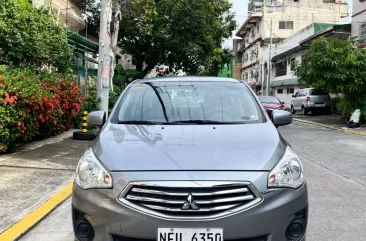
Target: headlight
(288, 172)
(91, 174)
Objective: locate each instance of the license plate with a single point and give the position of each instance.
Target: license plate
(190, 234)
(319, 105)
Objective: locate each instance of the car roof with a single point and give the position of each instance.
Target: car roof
(188, 78)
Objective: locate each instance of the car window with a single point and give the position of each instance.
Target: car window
(184, 101)
(301, 93)
(318, 92)
(297, 94)
(269, 100)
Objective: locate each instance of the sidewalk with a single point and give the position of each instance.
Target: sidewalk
(31, 176)
(331, 122)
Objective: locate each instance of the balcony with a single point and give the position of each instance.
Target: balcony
(255, 4)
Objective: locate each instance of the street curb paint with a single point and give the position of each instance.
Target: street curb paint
(33, 218)
(330, 127)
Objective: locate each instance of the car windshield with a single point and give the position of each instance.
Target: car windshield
(188, 102)
(269, 100)
(318, 92)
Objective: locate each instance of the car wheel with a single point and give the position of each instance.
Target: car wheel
(304, 110)
(293, 111)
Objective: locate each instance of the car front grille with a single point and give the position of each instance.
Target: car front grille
(190, 199)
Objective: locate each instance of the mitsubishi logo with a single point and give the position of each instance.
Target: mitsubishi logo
(190, 204)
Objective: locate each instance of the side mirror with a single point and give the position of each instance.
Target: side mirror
(293, 96)
(96, 118)
(282, 102)
(281, 118)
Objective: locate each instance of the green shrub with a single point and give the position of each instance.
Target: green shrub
(30, 37)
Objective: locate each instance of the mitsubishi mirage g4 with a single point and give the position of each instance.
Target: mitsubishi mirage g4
(189, 159)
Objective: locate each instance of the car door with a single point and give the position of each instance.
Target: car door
(297, 100)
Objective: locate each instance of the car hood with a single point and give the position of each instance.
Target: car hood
(251, 147)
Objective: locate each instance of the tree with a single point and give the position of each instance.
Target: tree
(180, 34)
(217, 61)
(91, 11)
(337, 67)
(29, 37)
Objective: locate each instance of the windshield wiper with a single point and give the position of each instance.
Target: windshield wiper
(203, 122)
(141, 122)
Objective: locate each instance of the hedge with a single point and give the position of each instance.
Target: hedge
(35, 105)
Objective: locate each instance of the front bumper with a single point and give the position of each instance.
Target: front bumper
(267, 221)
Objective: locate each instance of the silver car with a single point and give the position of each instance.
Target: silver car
(215, 171)
(311, 100)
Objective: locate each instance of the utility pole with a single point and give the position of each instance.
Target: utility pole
(262, 77)
(115, 30)
(105, 55)
(269, 61)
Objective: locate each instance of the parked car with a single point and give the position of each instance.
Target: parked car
(311, 100)
(271, 103)
(218, 171)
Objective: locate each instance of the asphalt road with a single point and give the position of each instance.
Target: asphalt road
(335, 169)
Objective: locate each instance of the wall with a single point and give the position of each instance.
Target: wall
(293, 40)
(303, 13)
(287, 98)
(358, 16)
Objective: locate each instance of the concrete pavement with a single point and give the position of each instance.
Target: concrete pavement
(31, 176)
(335, 169)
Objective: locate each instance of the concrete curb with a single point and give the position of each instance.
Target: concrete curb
(330, 127)
(19, 229)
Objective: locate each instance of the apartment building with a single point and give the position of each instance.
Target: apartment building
(286, 53)
(284, 18)
(359, 21)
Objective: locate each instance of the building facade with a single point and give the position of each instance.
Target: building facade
(359, 20)
(284, 18)
(290, 51)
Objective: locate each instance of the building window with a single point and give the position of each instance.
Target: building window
(281, 68)
(245, 76)
(363, 30)
(292, 64)
(286, 25)
(279, 91)
(290, 90)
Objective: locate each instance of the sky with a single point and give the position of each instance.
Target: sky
(240, 7)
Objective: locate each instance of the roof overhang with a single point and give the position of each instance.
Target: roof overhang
(250, 22)
(294, 50)
(342, 31)
(285, 82)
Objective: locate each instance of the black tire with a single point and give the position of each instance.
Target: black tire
(304, 110)
(293, 111)
(83, 136)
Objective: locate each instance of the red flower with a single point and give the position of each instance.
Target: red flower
(18, 124)
(7, 119)
(1, 148)
(1, 85)
(23, 131)
(1, 127)
(4, 102)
